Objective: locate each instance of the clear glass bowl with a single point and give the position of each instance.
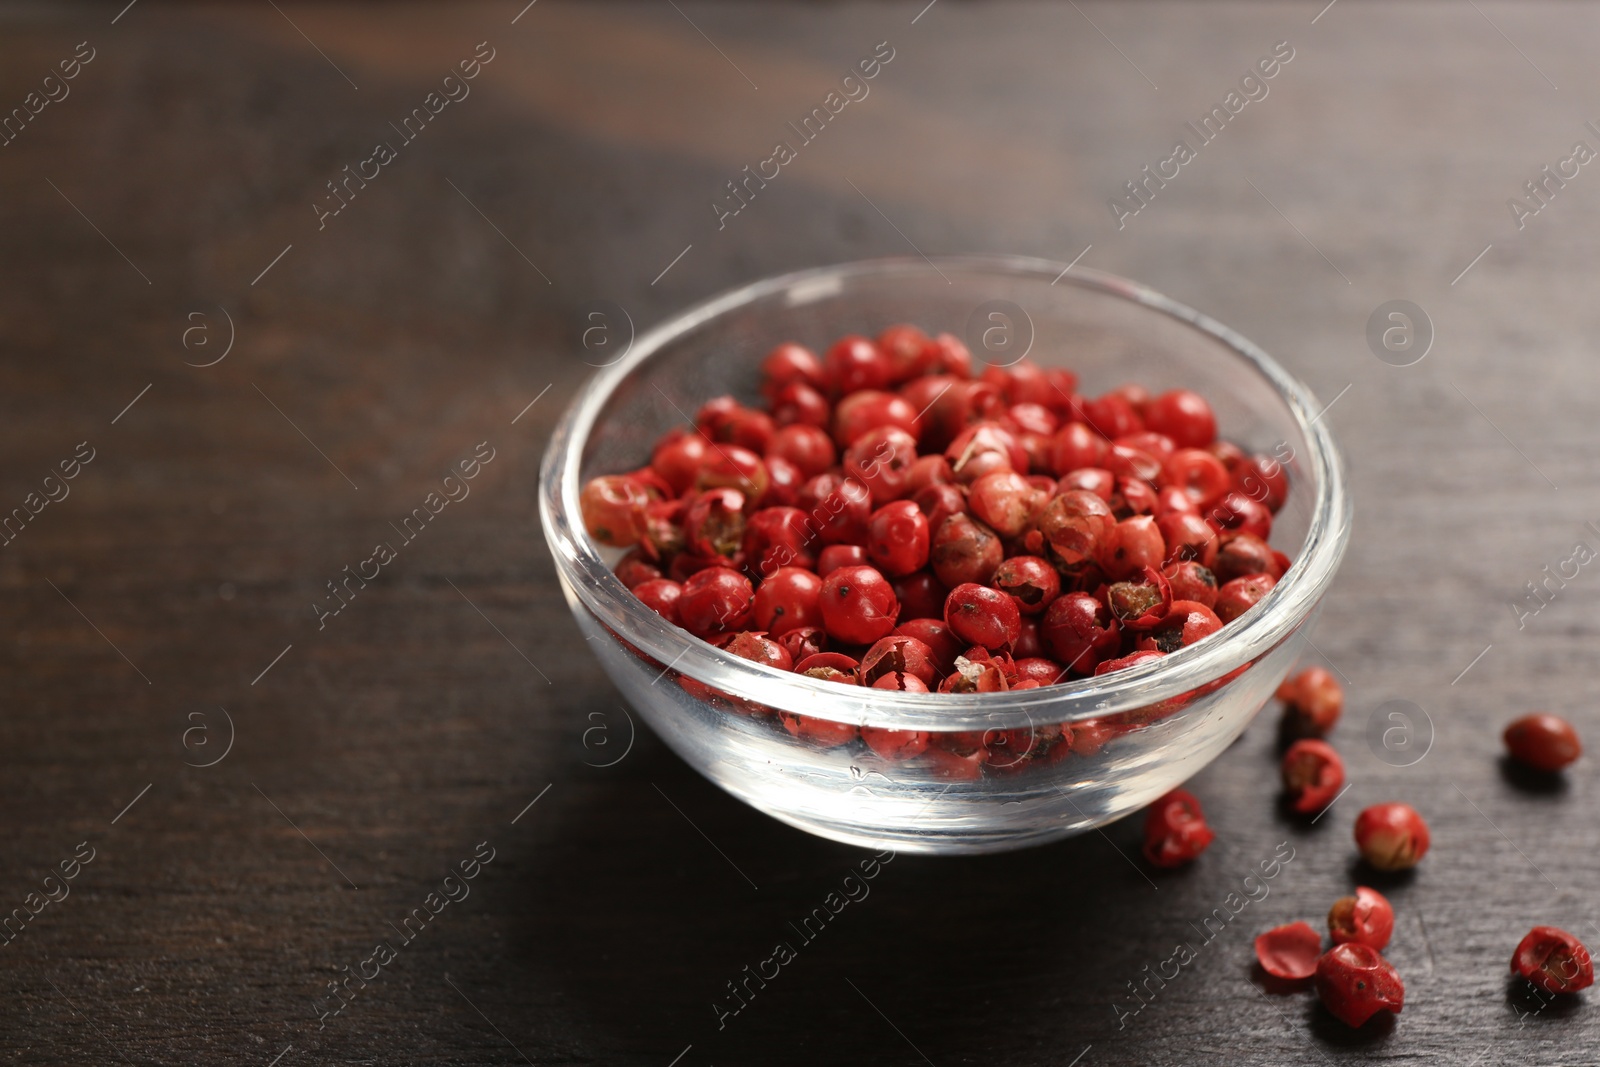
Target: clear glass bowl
(1124, 738)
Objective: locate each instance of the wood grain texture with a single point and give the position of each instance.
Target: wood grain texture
(383, 748)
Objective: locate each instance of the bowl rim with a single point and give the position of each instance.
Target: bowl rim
(1285, 608)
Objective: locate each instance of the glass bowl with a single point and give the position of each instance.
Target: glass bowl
(1082, 753)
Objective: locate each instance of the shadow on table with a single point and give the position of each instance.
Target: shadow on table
(646, 921)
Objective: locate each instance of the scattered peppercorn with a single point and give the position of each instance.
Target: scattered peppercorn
(1175, 830)
(1355, 983)
(1543, 742)
(1313, 774)
(1553, 960)
(1391, 837)
(1366, 917)
(1312, 703)
(1289, 952)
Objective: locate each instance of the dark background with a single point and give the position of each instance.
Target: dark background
(454, 690)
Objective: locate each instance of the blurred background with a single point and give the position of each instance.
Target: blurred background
(266, 361)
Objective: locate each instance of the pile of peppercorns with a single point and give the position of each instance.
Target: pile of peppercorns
(1352, 978)
(895, 519)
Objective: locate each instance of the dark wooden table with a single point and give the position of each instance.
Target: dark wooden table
(171, 200)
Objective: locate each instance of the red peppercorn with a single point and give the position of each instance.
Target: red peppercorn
(788, 601)
(714, 601)
(1028, 580)
(1240, 595)
(1183, 416)
(1184, 623)
(1126, 461)
(660, 595)
(1076, 446)
(898, 655)
(1079, 631)
(895, 745)
(939, 502)
(1097, 480)
(964, 550)
(1188, 537)
(901, 683)
(807, 447)
(1005, 500)
(941, 643)
(832, 557)
(982, 616)
(937, 398)
(881, 460)
(927, 471)
(740, 426)
(798, 403)
(685, 564)
(983, 448)
(759, 649)
(976, 672)
(678, 459)
(1391, 837)
(778, 537)
(613, 507)
(1355, 983)
(633, 569)
(1313, 774)
(858, 605)
(1232, 455)
(1170, 500)
(715, 413)
(1543, 742)
(1140, 605)
(1158, 446)
(1553, 960)
(1112, 416)
(1237, 513)
(1028, 643)
(1131, 660)
(784, 480)
(803, 641)
(730, 466)
(1199, 474)
(1133, 496)
(1262, 479)
(1289, 952)
(906, 350)
(854, 363)
(714, 524)
(1366, 917)
(871, 409)
(1074, 525)
(839, 506)
(1032, 418)
(921, 595)
(831, 661)
(823, 733)
(1240, 555)
(897, 538)
(1192, 581)
(1313, 701)
(1132, 546)
(1038, 669)
(830, 674)
(788, 363)
(950, 356)
(1175, 830)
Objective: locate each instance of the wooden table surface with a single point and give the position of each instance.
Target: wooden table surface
(266, 792)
